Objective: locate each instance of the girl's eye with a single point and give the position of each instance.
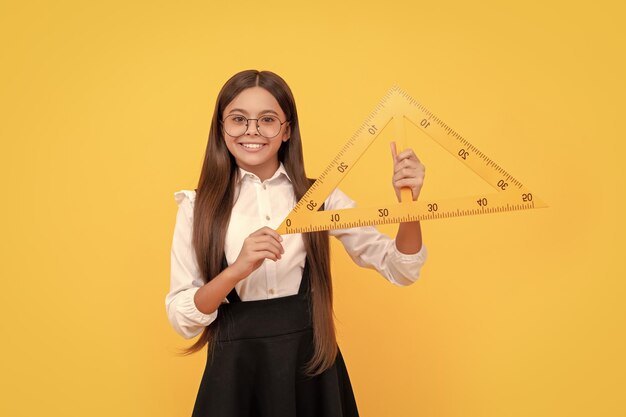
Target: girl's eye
(268, 119)
(238, 119)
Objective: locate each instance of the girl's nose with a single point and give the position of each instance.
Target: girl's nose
(252, 129)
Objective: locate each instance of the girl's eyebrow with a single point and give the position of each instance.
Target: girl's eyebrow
(246, 113)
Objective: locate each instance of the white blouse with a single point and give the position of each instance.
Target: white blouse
(267, 203)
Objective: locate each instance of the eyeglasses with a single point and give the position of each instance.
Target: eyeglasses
(268, 126)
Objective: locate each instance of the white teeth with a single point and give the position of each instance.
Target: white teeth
(252, 145)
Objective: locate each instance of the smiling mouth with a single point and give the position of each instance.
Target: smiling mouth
(252, 145)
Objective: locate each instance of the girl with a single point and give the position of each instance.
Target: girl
(263, 302)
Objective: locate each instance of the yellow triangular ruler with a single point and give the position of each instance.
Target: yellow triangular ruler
(396, 107)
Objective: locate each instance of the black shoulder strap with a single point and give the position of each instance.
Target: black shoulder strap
(232, 296)
(305, 283)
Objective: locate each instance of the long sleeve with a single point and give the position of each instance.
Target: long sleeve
(185, 277)
(370, 248)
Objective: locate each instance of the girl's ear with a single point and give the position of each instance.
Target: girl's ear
(287, 133)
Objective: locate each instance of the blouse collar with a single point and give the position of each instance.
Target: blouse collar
(281, 171)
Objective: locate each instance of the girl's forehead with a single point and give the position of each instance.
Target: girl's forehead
(254, 100)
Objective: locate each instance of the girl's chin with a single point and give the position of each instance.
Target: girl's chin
(260, 168)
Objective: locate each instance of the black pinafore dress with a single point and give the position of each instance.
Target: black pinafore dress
(256, 367)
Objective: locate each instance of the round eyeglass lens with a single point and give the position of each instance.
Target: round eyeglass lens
(267, 126)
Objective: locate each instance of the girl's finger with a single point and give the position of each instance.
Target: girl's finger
(267, 231)
(261, 253)
(267, 243)
(394, 151)
(407, 154)
(408, 182)
(270, 255)
(406, 164)
(405, 175)
(260, 256)
(409, 171)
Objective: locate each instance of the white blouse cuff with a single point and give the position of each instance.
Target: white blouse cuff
(419, 256)
(187, 308)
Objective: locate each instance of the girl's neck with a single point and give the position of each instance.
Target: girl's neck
(263, 172)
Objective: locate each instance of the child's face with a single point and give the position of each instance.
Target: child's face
(253, 152)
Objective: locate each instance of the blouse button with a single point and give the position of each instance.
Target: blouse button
(271, 291)
(267, 218)
(264, 187)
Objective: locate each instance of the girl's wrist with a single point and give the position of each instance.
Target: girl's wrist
(234, 274)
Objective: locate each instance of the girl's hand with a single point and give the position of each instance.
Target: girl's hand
(260, 245)
(408, 171)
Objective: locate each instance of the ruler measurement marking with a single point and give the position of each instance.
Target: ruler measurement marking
(415, 217)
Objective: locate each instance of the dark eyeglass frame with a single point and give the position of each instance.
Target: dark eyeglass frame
(257, 125)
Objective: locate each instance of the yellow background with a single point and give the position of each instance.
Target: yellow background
(105, 110)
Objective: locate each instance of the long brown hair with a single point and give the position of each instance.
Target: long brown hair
(215, 198)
